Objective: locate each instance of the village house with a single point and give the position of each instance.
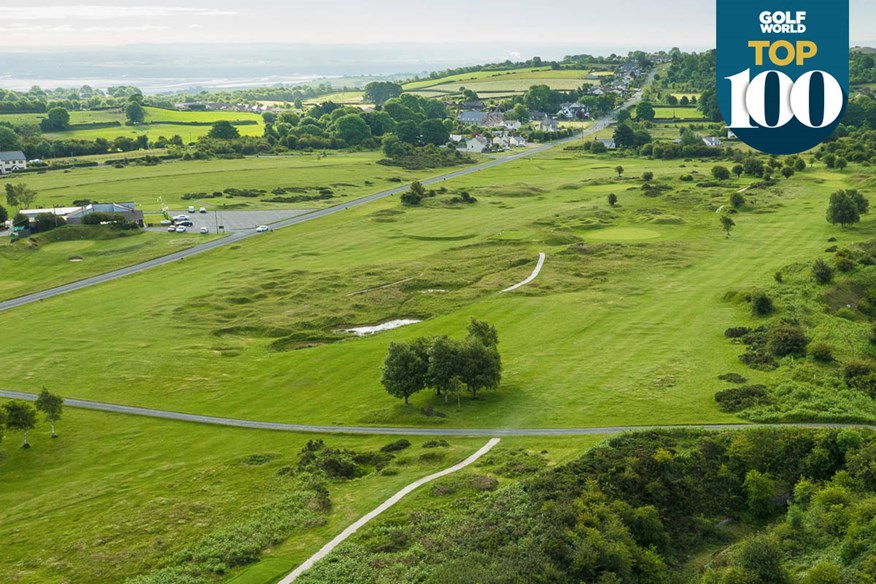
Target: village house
(477, 144)
(11, 161)
(74, 215)
(474, 118)
(712, 141)
(515, 125)
(574, 111)
(548, 124)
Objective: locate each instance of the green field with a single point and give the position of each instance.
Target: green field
(160, 122)
(500, 83)
(678, 112)
(115, 496)
(45, 260)
(346, 174)
(253, 305)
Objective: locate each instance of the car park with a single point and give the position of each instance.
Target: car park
(261, 228)
(180, 228)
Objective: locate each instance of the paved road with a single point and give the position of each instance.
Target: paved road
(404, 431)
(237, 237)
(327, 548)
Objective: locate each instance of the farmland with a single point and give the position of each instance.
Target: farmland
(159, 122)
(348, 175)
(501, 83)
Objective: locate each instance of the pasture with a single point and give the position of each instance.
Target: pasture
(347, 175)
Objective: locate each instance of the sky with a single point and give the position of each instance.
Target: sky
(688, 24)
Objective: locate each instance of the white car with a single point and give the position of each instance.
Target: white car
(181, 218)
(261, 228)
(171, 229)
(165, 222)
(204, 230)
(202, 210)
(180, 228)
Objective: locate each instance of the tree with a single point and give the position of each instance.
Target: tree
(378, 92)
(727, 224)
(57, 119)
(860, 201)
(824, 572)
(623, 115)
(647, 176)
(787, 172)
(483, 332)
(481, 366)
(799, 165)
(9, 140)
(619, 170)
(223, 130)
(841, 163)
(843, 209)
(737, 200)
(738, 170)
(415, 195)
(612, 199)
(624, 136)
(4, 214)
(20, 416)
(720, 172)
(135, 113)
(645, 111)
(444, 366)
(434, 132)
(352, 129)
(404, 371)
(50, 405)
(19, 196)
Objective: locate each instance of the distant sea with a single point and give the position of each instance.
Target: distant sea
(169, 68)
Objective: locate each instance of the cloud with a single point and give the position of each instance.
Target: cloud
(68, 28)
(102, 12)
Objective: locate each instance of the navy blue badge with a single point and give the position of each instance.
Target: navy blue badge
(782, 71)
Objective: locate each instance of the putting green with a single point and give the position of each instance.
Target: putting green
(623, 234)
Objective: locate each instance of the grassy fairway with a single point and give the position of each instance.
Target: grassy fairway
(585, 344)
(500, 83)
(348, 175)
(116, 496)
(45, 262)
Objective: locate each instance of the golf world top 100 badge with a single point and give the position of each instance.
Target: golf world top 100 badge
(782, 70)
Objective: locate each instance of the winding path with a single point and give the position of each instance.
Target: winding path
(327, 548)
(394, 430)
(531, 277)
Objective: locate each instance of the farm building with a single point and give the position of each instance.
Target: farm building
(11, 161)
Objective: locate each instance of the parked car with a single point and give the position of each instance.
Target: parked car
(191, 208)
(202, 210)
(185, 222)
(204, 230)
(261, 228)
(171, 229)
(180, 228)
(181, 218)
(166, 222)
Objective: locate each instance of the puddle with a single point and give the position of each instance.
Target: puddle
(361, 331)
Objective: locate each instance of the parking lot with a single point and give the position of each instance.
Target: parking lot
(233, 221)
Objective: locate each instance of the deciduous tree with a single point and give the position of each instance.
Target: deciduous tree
(20, 416)
(51, 405)
(404, 371)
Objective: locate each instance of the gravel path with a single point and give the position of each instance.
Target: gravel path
(327, 548)
(531, 277)
(395, 430)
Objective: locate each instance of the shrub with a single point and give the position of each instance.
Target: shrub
(821, 352)
(736, 399)
(822, 272)
(732, 378)
(396, 446)
(735, 332)
(786, 339)
(845, 264)
(778, 277)
(436, 444)
(647, 176)
(685, 178)
(761, 304)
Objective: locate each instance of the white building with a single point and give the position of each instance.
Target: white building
(477, 144)
(11, 161)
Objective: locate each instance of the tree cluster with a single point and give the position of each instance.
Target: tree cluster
(444, 364)
(21, 416)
